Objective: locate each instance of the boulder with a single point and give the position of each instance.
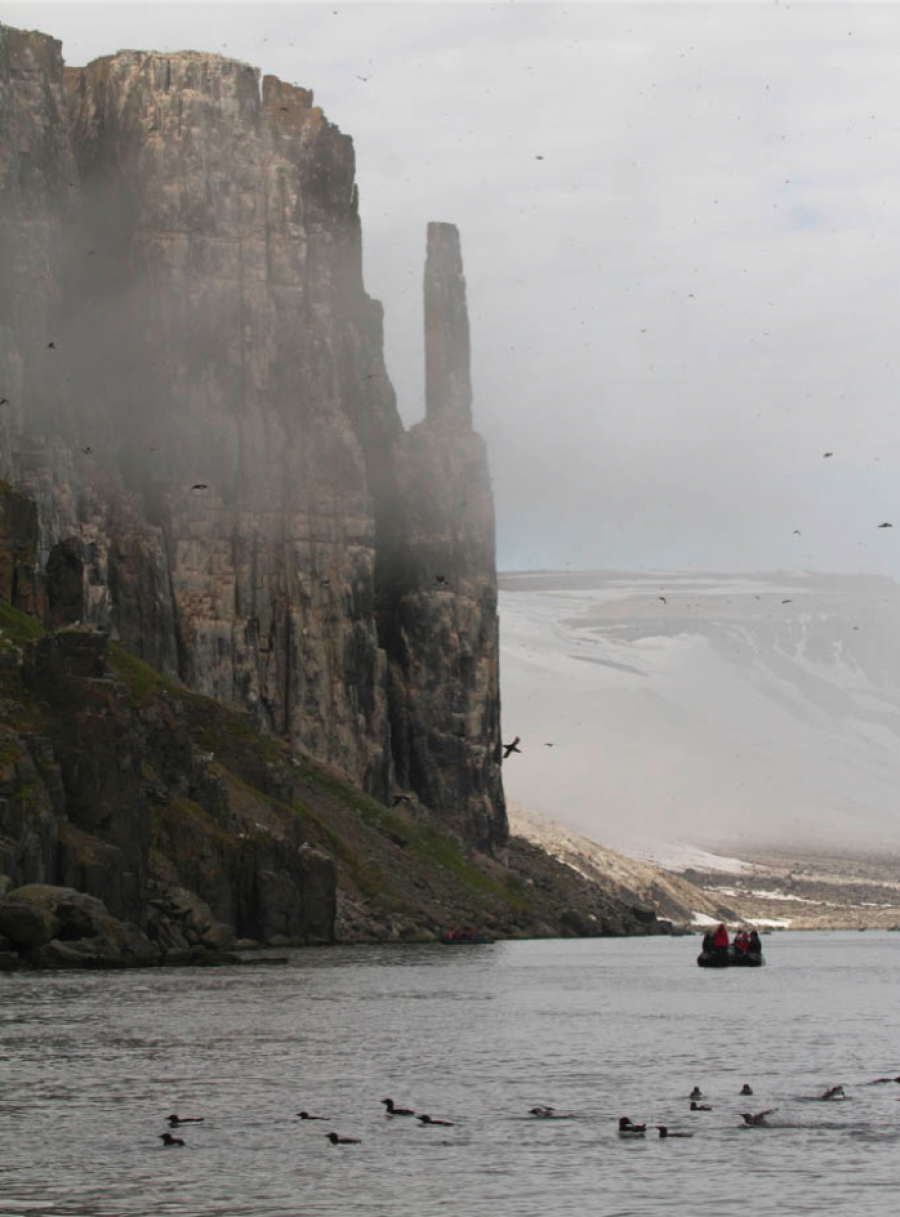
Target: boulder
(58, 926)
(27, 925)
(644, 913)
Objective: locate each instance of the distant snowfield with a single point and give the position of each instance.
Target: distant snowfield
(670, 714)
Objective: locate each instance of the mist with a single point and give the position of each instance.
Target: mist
(680, 233)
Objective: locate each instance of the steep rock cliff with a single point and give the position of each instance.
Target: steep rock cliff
(212, 439)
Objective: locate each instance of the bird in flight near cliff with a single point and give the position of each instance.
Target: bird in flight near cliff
(513, 747)
(4, 401)
(51, 346)
(400, 798)
(87, 451)
(200, 486)
(440, 578)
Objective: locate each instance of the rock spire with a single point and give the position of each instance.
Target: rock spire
(448, 384)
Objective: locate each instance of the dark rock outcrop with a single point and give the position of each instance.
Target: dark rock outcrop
(220, 474)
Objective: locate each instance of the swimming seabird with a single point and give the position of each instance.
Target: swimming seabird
(627, 1129)
(696, 1093)
(664, 1132)
(167, 1139)
(833, 1092)
(700, 1106)
(513, 747)
(336, 1140)
(304, 1115)
(746, 1089)
(174, 1121)
(396, 1111)
(429, 1120)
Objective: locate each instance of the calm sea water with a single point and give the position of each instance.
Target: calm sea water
(90, 1065)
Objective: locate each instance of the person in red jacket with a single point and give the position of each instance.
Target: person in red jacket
(720, 938)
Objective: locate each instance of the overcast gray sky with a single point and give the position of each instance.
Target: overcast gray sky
(680, 229)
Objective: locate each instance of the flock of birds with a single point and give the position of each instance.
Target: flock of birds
(751, 1119)
(627, 1128)
(391, 1109)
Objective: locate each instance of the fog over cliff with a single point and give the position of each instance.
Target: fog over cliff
(682, 249)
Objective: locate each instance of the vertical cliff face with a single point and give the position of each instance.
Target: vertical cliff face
(213, 442)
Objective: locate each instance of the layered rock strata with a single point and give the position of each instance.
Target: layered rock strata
(199, 407)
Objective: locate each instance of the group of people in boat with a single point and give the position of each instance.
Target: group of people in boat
(745, 943)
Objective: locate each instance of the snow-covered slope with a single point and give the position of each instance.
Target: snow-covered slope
(717, 711)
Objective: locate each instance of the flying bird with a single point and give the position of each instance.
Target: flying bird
(87, 451)
(797, 532)
(440, 578)
(400, 798)
(4, 401)
(200, 486)
(826, 455)
(513, 747)
(787, 602)
(663, 599)
(755, 1120)
(364, 79)
(885, 525)
(51, 346)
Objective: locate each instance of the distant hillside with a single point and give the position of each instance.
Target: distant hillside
(730, 712)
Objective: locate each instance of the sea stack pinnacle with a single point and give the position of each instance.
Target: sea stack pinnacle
(437, 573)
(448, 383)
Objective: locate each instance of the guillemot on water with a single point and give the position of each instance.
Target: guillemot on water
(428, 1120)
(628, 1129)
(336, 1140)
(168, 1140)
(397, 1111)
